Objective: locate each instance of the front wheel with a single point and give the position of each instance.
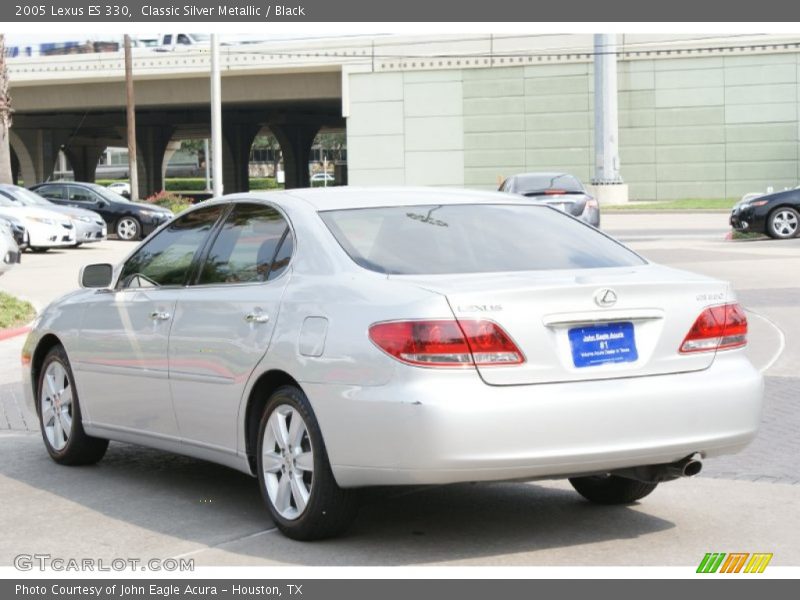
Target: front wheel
(294, 473)
(128, 229)
(610, 489)
(60, 414)
(783, 223)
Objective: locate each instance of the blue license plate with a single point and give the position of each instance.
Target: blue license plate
(603, 343)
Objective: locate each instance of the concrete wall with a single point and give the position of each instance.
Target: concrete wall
(711, 126)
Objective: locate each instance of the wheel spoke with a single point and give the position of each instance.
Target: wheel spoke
(304, 461)
(277, 423)
(299, 492)
(66, 422)
(50, 380)
(66, 396)
(297, 430)
(58, 434)
(48, 414)
(283, 496)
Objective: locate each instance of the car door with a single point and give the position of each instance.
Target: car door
(80, 197)
(122, 364)
(224, 322)
(55, 192)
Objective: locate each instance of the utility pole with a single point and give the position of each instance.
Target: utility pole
(133, 172)
(5, 119)
(206, 160)
(216, 117)
(607, 182)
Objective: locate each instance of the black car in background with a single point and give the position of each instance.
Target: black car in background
(129, 220)
(777, 215)
(559, 190)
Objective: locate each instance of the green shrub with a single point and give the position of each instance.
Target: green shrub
(175, 202)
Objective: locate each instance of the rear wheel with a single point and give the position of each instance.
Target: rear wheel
(294, 473)
(60, 414)
(783, 223)
(610, 489)
(39, 249)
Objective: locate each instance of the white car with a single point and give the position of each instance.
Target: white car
(327, 340)
(123, 188)
(44, 228)
(9, 252)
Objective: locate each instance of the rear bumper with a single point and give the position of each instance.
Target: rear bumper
(450, 427)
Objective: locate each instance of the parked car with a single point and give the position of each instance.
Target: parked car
(559, 190)
(129, 220)
(327, 340)
(123, 188)
(44, 229)
(89, 226)
(9, 251)
(777, 214)
(17, 228)
(322, 179)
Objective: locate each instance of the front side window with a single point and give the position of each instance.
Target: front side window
(254, 245)
(166, 259)
(77, 194)
(472, 238)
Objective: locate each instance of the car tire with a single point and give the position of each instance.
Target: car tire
(128, 229)
(38, 249)
(60, 414)
(294, 474)
(610, 489)
(783, 223)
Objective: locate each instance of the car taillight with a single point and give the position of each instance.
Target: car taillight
(717, 328)
(446, 343)
(592, 203)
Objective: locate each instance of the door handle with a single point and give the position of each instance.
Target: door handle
(159, 316)
(254, 317)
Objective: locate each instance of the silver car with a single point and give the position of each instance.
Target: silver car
(89, 226)
(328, 340)
(9, 251)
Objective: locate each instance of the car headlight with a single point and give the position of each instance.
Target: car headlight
(151, 213)
(754, 203)
(84, 219)
(43, 220)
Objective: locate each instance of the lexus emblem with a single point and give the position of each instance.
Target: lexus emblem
(605, 297)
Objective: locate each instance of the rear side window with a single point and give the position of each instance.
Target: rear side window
(53, 191)
(167, 257)
(472, 238)
(254, 245)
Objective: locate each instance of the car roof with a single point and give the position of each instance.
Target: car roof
(347, 197)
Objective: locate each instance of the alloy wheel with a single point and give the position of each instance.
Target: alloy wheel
(56, 405)
(127, 229)
(785, 223)
(288, 462)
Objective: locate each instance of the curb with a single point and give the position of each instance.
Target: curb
(6, 334)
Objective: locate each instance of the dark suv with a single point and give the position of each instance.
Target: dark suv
(130, 220)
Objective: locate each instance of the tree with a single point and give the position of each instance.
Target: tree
(332, 144)
(270, 142)
(5, 117)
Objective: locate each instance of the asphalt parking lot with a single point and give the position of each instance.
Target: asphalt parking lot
(145, 503)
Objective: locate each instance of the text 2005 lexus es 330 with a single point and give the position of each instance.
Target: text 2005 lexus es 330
(327, 340)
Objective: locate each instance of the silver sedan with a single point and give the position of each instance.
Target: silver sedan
(328, 340)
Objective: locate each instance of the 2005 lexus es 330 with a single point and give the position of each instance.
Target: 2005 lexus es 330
(326, 340)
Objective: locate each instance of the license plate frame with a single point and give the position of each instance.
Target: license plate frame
(603, 343)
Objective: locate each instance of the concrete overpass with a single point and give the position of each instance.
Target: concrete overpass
(700, 115)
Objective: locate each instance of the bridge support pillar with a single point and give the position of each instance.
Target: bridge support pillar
(295, 140)
(151, 146)
(237, 141)
(37, 152)
(83, 158)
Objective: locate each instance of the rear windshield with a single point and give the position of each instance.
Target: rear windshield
(471, 238)
(540, 183)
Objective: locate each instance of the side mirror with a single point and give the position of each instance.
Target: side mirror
(102, 203)
(96, 276)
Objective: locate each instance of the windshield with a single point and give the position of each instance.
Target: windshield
(543, 182)
(200, 37)
(27, 197)
(472, 238)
